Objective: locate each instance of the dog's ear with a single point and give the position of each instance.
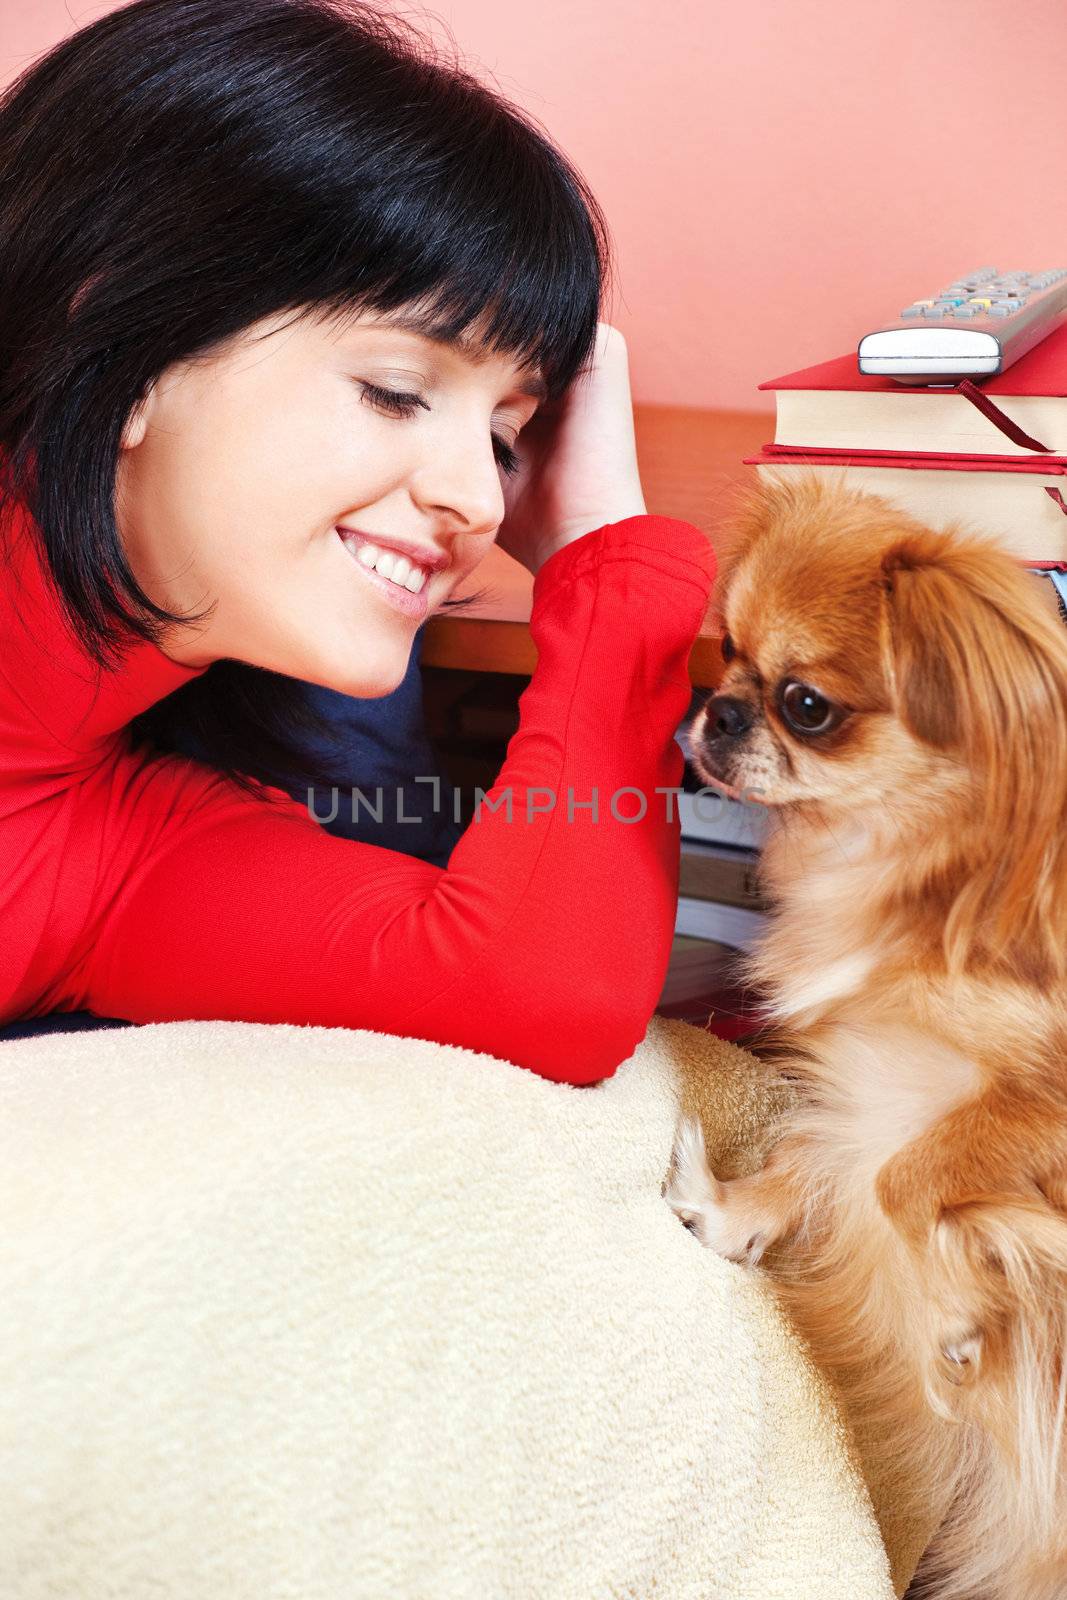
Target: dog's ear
(974, 658)
(933, 626)
(978, 669)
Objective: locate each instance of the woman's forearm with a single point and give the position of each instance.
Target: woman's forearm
(546, 938)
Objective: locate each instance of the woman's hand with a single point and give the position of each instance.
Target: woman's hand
(579, 461)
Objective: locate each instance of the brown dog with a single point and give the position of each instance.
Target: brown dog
(898, 695)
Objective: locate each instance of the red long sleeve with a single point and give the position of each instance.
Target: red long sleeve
(148, 887)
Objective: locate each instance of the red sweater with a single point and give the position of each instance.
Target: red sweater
(149, 887)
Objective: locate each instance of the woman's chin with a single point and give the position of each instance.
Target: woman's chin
(360, 679)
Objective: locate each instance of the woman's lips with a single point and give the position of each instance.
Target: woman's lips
(431, 561)
(401, 599)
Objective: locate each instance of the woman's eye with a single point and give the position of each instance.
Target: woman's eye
(393, 400)
(506, 457)
(400, 404)
(805, 709)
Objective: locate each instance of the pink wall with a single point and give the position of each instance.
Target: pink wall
(778, 174)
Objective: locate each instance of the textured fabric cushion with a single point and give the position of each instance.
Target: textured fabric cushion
(311, 1314)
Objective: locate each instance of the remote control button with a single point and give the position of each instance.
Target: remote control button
(1000, 311)
(943, 300)
(912, 311)
(965, 311)
(981, 304)
(935, 311)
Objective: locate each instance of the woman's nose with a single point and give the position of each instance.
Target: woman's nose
(463, 480)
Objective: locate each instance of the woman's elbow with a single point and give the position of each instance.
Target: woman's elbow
(589, 1045)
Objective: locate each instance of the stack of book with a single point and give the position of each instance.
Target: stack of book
(988, 457)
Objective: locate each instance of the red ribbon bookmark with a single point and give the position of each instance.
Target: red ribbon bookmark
(998, 418)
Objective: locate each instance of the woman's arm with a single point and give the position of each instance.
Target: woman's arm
(545, 941)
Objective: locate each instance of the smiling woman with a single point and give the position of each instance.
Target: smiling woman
(287, 477)
(289, 289)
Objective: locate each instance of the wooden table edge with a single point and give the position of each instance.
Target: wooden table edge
(482, 644)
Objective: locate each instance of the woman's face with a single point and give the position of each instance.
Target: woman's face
(238, 471)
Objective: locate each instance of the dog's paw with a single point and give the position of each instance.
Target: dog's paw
(704, 1205)
(691, 1185)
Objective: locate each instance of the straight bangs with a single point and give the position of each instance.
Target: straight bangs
(483, 235)
(487, 269)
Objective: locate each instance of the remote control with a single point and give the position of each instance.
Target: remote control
(980, 324)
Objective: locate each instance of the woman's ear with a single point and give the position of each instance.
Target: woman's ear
(136, 425)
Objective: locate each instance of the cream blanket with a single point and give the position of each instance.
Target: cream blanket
(311, 1314)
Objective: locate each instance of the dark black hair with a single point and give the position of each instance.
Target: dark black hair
(178, 170)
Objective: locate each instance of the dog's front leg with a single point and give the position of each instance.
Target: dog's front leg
(989, 1145)
(738, 1218)
(990, 1170)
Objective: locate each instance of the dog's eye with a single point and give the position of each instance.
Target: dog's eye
(727, 647)
(805, 709)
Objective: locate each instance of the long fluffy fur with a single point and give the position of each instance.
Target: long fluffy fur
(913, 1213)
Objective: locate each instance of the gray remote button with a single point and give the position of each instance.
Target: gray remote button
(1000, 311)
(964, 311)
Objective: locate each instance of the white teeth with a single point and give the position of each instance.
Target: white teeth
(398, 569)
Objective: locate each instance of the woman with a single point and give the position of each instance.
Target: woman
(281, 291)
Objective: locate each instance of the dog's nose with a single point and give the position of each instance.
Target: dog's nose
(727, 716)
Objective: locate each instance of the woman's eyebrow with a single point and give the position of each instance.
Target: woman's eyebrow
(533, 387)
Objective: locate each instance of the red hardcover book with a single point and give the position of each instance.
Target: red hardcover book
(1042, 371)
(1017, 413)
